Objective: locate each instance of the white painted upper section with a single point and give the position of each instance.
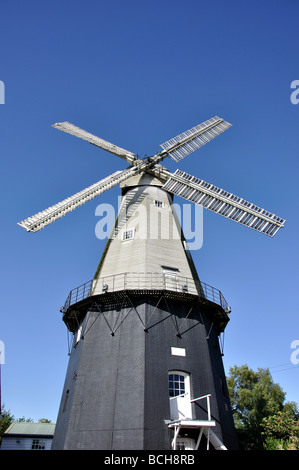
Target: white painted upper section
(156, 245)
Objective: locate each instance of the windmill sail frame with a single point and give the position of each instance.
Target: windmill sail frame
(179, 183)
(224, 203)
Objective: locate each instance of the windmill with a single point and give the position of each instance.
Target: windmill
(145, 368)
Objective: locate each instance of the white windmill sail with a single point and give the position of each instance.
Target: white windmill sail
(104, 144)
(180, 183)
(183, 144)
(224, 203)
(47, 216)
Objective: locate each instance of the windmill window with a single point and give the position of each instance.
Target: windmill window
(176, 385)
(38, 444)
(170, 271)
(158, 203)
(128, 234)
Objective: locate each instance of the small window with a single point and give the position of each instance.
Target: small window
(38, 444)
(158, 203)
(128, 234)
(170, 271)
(176, 385)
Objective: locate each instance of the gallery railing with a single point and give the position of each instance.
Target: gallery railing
(145, 281)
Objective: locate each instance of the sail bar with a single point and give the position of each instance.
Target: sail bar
(187, 142)
(223, 203)
(92, 139)
(47, 216)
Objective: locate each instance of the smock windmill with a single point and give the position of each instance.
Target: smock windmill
(145, 368)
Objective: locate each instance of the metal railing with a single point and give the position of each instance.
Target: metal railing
(78, 294)
(145, 281)
(208, 404)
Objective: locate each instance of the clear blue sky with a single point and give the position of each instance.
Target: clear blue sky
(137, 73)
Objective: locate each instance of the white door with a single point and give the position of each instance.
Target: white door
(179, 395)
(170, 278)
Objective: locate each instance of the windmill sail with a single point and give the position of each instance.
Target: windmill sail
(47, 216)
(180, 183)
(92, 139)
(223, 203)
(183, 144)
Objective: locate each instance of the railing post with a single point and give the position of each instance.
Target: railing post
(208, 404)
(176, 433)
(209, 407)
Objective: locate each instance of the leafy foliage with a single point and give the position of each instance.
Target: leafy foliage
(260, 414)
(281, 430)
(6, 418)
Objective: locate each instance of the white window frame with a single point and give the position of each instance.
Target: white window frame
(169, 271)
(159, 204)
(128, 234)
(38, 444)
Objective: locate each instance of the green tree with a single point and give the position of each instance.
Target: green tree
(281, 430)
(24, 420)
(6, 418)
(254, 397)
(44, 420)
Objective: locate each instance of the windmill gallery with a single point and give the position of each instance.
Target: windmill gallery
(145, 370)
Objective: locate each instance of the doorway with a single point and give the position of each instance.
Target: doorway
(179, 395)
